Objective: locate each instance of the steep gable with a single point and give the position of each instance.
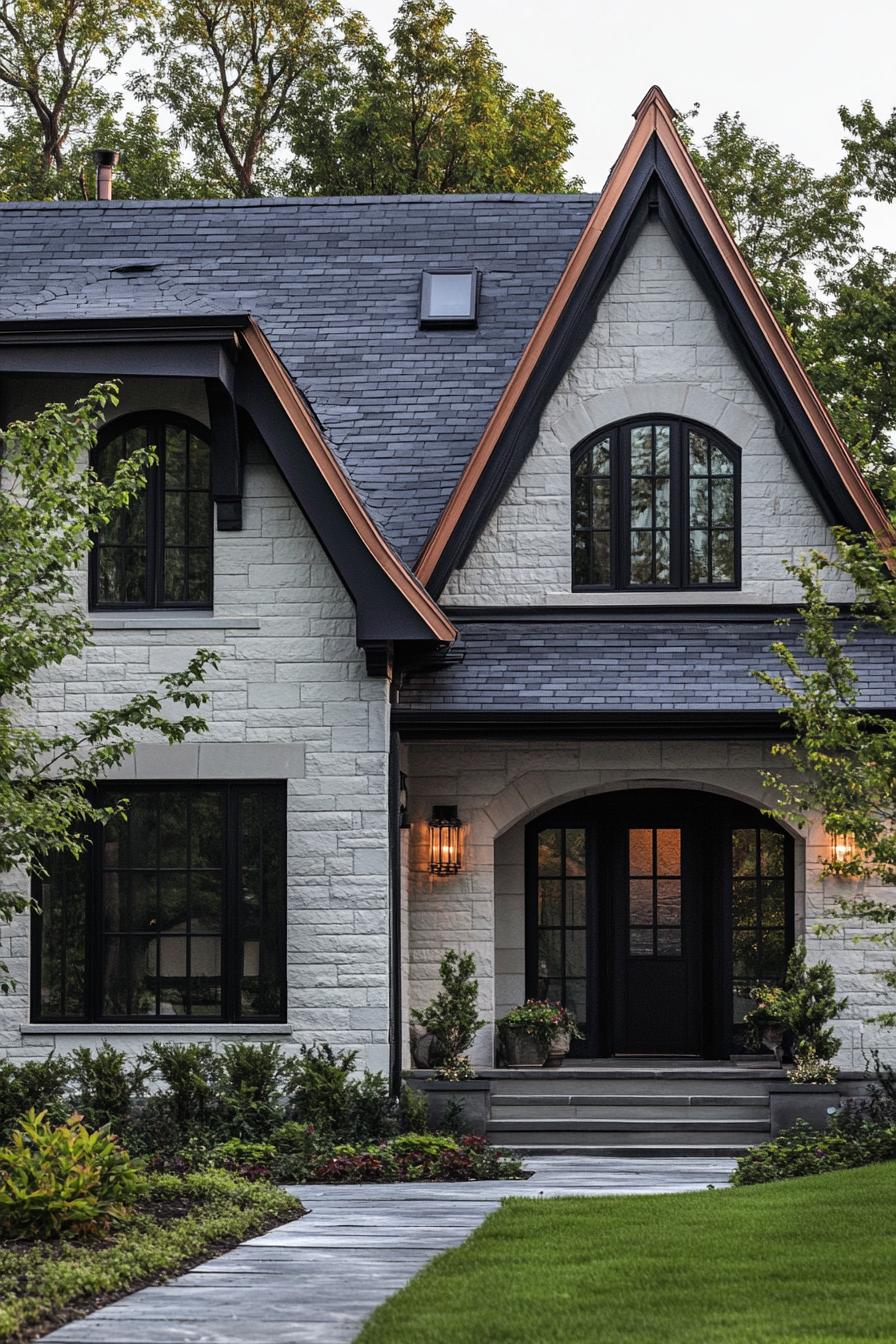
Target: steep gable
(654, 177)
(655, 347)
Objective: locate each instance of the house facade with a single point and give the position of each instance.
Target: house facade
(486, 505)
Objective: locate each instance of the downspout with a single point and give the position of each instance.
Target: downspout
(396, 1033)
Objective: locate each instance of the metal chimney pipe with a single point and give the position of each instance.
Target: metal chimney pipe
(105, 160)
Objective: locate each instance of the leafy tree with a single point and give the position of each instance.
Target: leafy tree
(50, 506)
(870, 151)
(843, 757)
(802, 234)
(788, 221)
(429, 114)
(234, 73)
(57, 61)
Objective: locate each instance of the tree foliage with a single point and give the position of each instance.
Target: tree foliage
(802, 234)
(429, 113)
(58, 60)
(50, 506)
(842, 757)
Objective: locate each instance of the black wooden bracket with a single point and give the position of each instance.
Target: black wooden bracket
(227, 460)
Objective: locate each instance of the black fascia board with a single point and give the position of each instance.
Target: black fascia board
(671, 614)
(382, 612)
(653, 183)
(817, 471)
(160, 347)
(566, 340)
(606, 725)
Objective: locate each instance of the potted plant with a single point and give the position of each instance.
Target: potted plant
(801, 1008)
(455, 1097)
(537, 1032)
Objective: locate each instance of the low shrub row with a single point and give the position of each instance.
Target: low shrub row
(178, 1221)
(860, 1133)
(297, 1153)
(173, 1094)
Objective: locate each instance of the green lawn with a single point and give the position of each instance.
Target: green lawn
(812, 1259)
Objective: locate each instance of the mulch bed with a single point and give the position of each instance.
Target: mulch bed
(161, 1211)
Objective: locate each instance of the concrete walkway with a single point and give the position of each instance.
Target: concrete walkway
(314, 1281)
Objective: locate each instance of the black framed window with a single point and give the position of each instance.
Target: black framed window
(656, 506)
(157, 553)
(561, 918)
(176, 912)
(654, 892)
(759, 912)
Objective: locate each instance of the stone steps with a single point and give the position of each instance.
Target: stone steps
(585, 1106)
(642, 1109)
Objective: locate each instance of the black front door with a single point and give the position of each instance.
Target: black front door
(651, 913)
(652, 878)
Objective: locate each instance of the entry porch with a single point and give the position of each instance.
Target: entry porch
(637, 881)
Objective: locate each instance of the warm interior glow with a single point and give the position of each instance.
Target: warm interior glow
(444, 841)
(843, 848)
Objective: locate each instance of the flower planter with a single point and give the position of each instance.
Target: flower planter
(558, 1050)
(811, 1102)
(520, 1050)
(465, 1106)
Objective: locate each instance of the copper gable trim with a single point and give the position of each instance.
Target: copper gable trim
(654, 124)
(253, 339)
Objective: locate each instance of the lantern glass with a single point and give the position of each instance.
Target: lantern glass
(444, 840)
(843, 848)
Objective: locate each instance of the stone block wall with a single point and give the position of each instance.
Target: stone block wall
(655, 348)
(499, 786)
(292, 700)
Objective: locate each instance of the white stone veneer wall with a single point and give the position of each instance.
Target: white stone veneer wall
(655, 348)
(292, 682)
(498, 787)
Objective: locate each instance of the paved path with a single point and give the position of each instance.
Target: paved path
(315, 1280)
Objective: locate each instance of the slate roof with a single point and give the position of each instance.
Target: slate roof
(334, 285)
(626, 665)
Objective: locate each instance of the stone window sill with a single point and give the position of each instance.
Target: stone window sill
(151, 620)
(156, 1028)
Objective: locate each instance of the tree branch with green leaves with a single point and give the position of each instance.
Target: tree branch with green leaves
(52, 503)
(841, 755)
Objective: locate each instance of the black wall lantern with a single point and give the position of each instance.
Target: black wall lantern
(444, 840)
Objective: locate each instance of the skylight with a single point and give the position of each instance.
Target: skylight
(449, 297)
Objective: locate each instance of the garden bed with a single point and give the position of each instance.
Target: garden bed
(182, 1222)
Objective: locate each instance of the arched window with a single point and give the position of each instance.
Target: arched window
(656, 505)
(157, 553)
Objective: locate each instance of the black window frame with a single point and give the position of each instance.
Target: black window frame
(230, 929)
(154, 421)
(618, 434)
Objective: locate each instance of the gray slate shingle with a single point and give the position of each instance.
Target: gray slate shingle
(334, 284)
(627, 665)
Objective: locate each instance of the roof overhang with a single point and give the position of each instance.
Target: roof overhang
(653, 172)
(239, 365)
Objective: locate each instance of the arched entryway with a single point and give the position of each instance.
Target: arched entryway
(651, 913)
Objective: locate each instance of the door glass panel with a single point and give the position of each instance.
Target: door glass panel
(562, 969)
(758, 912)
(654, 892)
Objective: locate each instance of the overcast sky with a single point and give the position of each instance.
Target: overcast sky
(785, 64)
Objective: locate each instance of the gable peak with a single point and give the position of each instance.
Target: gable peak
(654, 98)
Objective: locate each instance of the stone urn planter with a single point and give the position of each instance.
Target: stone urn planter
(558, 1049)
(521, 1050)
